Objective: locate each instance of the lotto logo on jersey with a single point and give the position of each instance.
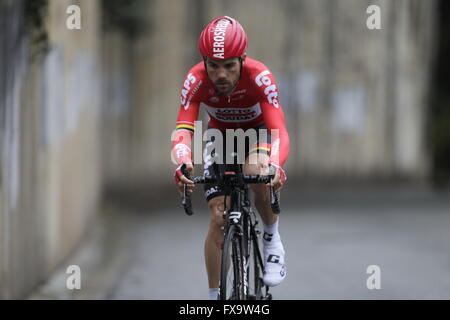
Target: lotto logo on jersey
(271, 89)
(190, 79)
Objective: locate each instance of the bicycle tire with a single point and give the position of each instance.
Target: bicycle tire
(232, 269)
(255, 268)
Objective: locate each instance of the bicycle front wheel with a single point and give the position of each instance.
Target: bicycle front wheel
(254, 268)
(232, 286)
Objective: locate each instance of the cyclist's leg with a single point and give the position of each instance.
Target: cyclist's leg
(275, 270)
(257, 163)
(214, 240)
(215, 199)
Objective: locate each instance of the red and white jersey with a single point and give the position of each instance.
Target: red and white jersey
(253, 102)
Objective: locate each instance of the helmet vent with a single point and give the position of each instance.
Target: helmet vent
(224, 19)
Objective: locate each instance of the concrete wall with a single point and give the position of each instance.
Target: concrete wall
(50, 176)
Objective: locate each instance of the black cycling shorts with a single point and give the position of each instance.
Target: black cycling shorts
(210, 155)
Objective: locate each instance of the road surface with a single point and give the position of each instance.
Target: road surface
(331, 236)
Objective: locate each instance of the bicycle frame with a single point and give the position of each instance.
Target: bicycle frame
(239, 219)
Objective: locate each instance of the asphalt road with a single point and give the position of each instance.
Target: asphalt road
(331, 236)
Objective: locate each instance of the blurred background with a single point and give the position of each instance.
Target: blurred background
(86, 118)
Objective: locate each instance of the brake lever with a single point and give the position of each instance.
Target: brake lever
(186, 201)
(184, 171)
(186, 198)
(274, 203)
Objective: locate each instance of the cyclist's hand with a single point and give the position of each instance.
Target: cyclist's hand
(279, 178)
(181, 180)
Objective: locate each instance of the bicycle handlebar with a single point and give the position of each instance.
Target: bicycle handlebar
(248, 179)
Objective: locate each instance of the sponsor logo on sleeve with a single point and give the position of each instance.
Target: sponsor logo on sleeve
(182, 150)
(190, 79)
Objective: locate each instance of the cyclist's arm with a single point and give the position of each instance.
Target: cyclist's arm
(181, 145)
(188, 113)
(273, 115)
(274, 119)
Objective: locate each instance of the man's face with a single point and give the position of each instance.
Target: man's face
(223, 73)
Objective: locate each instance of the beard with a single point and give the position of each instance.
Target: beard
(224, 87)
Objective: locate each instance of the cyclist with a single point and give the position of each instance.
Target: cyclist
(237, 92)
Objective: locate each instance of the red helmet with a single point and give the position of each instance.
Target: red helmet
(222, 38)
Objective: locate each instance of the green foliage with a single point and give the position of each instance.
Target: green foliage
(128, 16)
(35, 13)
(440, 139)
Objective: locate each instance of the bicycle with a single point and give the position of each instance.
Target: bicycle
(242, 264)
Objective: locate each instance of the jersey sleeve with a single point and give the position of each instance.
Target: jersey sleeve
(185, 124)
(273, 116)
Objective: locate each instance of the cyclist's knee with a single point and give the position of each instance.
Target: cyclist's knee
(216, 210)
(259, 189)
(257, 163)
